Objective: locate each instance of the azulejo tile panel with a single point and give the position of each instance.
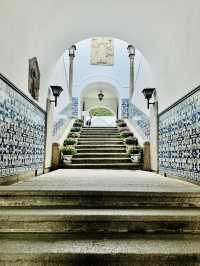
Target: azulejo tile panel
(74, 106)
(125, 108)
(179, 139)
(22, 133)
(141, 121)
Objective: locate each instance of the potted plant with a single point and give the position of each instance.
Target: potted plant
(121, 124)
(135, 154)
(69, 141)
(67, 154)
(73, 135)
(131, 141)
(126, 134)
(75, 129)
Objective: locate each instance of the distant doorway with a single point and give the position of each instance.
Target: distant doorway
(102, 117)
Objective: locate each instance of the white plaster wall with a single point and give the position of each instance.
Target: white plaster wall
(166, 32)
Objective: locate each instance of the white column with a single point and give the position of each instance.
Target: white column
(131, 50)
(72, 50)
(154, 127)
(49, 134)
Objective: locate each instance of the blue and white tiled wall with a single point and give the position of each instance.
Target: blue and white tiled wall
(22, 133)
(179, 138)
(75, 107)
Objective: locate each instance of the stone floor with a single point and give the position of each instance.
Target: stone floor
(103, 180)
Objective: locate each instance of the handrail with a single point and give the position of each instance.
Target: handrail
(14, 87)
(179, 101)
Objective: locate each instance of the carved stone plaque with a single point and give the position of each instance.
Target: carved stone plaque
(102, 51)
(34, 78)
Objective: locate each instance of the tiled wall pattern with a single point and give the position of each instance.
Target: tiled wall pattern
(74, 107)
(179, 139)
(141, 121)
(22, 133)
(125, 108)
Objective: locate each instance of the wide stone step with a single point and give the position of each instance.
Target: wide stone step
(114, 166)
(100, 160)
(97, 199)
(143, 250)
(101, 155)
(94, 146)
(102, 150)
(115, 136)
(100, 128)
(100, 142)
(103, 133)
(100, 221)
(99, 139)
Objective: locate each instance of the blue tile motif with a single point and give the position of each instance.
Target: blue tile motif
(125, 108)
(74, 107)
(179, 139)
(22, 133)
(141, 121)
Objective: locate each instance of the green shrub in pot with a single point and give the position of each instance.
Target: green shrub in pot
(79, 121)
(131, 141)
(119, 121)
(68, 150)
(69, 141)
(126, 134)
(75, 129)
(73, 135)
(77, 124)
(121, 124)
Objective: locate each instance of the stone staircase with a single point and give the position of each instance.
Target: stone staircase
(104, 228)
(101, 147)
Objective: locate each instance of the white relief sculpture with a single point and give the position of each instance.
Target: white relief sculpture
(102, 51)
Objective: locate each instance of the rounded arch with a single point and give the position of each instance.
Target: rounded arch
(101, 106)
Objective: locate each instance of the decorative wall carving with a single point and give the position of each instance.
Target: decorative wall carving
(102, 51)
(179, 138)
(34, 78)
(22, 132)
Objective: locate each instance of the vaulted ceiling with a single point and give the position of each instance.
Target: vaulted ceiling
(165, 31)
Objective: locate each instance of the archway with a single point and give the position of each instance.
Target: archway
(89, 101)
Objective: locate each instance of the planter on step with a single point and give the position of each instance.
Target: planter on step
(136, 158)
(67, 159)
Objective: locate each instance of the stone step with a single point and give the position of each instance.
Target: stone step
(99, 139)
(100, 142)
(94, 146)
(97, 199)
(142, 250)
(116, 166)
(103, 132)
(100, 128)
(100, 160)
(115, 136)
(101, 155)
(102, 150)
(173, 221)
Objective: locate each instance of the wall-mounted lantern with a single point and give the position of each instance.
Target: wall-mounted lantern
(148, 92)
(56, 90)
(100, 95)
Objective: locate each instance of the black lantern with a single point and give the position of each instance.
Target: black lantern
(148, 92)
(100, 96)
(56, 90)
(131, 50)
(72, 51)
